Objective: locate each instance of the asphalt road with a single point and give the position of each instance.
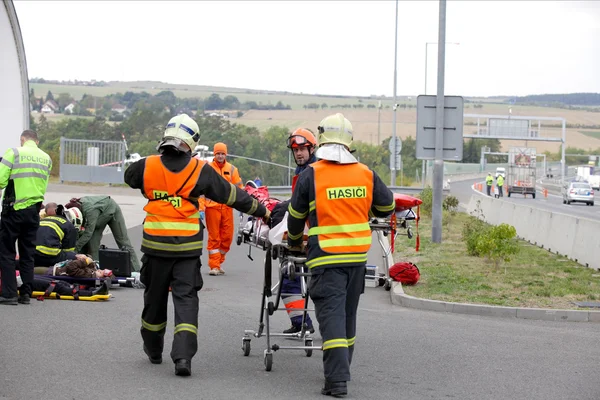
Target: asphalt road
(80, 350)
(463, 191)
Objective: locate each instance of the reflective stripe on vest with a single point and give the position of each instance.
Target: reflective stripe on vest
(343, 200)
(49, 251)
(170, 211)
(229, 178)
(54, 226)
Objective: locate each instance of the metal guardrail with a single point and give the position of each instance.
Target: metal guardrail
(281, 190)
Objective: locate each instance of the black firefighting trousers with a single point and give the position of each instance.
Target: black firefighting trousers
(184, 278)
(21, 225)
(335, 293)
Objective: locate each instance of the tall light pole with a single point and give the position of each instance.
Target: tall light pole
(426, 45)
(425, 92)
(438, 165)
(393, 169)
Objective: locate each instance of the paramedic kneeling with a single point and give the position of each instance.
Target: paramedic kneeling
(24, 172)
(172, 237)
(337, 194)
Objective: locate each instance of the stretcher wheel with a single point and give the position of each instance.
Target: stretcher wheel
(387, 285)
(381, 282)
(308, 343)
(246, 347)
(271, 308)
(268, 361)
(238, 241)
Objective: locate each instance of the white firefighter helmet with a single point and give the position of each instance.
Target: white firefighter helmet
(182, 132)
(75, 216)
(335, 129)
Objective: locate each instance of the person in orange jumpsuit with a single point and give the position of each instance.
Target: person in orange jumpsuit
(219, 217)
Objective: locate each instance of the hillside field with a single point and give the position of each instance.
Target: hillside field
(365, 121)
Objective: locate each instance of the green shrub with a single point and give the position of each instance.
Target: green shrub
(498, 243)
(426, 196)
(473, 229)
(450, 204)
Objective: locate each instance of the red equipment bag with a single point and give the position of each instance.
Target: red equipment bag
(405, 272)
(261, 194)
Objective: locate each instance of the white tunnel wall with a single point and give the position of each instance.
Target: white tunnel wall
(14, 83)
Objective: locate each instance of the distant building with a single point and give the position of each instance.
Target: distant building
(119, 108)
(70, 108)
(50, 107)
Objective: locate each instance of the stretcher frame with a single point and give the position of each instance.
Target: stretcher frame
(291, 264)
(389, 227)
(121, 281)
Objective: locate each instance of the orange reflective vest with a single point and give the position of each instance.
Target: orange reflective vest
(343, 197)
(231, 175)
(172, 224)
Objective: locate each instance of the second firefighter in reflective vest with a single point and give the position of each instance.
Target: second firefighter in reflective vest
(219, 217)
(172, 238)
(337, 195)
(302, 144)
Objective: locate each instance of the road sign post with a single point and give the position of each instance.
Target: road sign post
(452, 136)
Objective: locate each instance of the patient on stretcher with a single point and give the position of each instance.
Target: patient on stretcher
(79, 268)
(48, 285)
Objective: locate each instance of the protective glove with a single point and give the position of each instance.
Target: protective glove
(202, 215)
(267, 216)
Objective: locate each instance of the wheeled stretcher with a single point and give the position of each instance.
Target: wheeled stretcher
(291, 264)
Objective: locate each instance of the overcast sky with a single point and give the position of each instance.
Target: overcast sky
(337, 47)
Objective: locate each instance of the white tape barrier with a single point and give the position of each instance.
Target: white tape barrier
(573, 237)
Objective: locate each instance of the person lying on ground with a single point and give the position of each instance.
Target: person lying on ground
(79, 268)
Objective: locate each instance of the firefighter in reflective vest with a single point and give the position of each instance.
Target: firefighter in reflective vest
(489, 182)
(56, 238)
(337, 195)
(219, 217)
(172, 238)
(302, 143)
(24, 173)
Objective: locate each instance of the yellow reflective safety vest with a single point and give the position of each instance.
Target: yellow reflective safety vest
(28, 167)
(172, 227)
(343, 198)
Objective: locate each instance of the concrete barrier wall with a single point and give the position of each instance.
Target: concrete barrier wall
(573, 237)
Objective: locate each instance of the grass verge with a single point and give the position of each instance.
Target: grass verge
(533, 278)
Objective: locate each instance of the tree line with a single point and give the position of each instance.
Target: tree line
(581, 99)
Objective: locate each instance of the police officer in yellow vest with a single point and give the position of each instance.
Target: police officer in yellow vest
(337, 195)
(172, 239)
(24, 173)
(500, 184)
(489, 182)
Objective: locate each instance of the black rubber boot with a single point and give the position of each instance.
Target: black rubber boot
(335, 389)
(183, 367)
(11, 301)
(153, 359)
